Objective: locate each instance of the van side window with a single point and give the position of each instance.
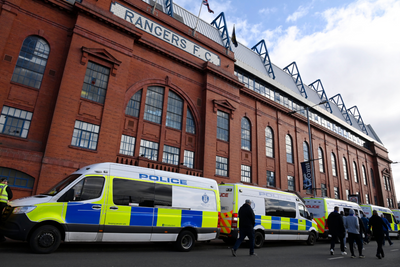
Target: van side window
(280, 208)
(302, 210)
(163, 195)
(133, 193)
(88, 188)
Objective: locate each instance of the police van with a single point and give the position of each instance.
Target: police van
(321, 207)
(279, 215)
(396, 213)
(109, 202)
(368, 210)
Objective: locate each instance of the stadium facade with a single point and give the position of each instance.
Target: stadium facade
(120, 81)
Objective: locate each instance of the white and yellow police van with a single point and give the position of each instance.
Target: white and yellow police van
(321, 207)
(368, 210)
(396, 213)
(109, 202)
(279, 215)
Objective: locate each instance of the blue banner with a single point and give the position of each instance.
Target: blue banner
(307, 181)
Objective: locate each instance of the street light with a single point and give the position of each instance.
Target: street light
(310, 141)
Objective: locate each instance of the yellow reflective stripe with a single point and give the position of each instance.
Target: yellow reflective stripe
(266, 222)
(169, 217)
(47, 211)
(302, 225)
(121, 216)
(285, 223)
(210, 219)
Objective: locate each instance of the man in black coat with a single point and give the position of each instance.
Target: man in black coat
(336, 230)
(246, 227)
(378, 227)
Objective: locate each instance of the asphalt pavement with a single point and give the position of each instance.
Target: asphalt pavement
(214, 253)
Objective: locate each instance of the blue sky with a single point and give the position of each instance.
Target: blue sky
(352, 46)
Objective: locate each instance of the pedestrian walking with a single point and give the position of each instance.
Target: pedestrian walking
(336, 230)
(246, 227)
(5, 195)
(365, 221)
(345, 233)
(363, 230)
(377, 225)
(386, 230)
(352, 226)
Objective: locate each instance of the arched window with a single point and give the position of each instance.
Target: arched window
(364, 174)
(305, 151)
(174, 111)
(31, 62)
(246, 134)
(355, 172)
(321, 160)
(133, 106)
(269, 142)
(190, 127)
(164, 106)
(333, 161)
(289, 149)
(345, 173)
(372, 177)
(16, 178)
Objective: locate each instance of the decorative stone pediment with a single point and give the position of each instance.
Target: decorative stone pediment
(102, 54)
(224, 104)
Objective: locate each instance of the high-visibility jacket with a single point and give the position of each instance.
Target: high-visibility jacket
(3, 193)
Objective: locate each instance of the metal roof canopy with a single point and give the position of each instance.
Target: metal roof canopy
(261, 49)
(356, 113)
(317, 86)
(169, 5)
(220, 23)
(294, 71)
(338, 100)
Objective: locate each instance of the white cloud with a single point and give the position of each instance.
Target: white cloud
(267, 11)
(299, 13)
(356, 55)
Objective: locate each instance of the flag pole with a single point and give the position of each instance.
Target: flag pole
(154, 7)
(197, 21)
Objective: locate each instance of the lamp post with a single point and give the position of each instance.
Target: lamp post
(310, 141)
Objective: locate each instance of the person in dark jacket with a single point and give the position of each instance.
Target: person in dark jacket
(377, 225)
(387, 230)
(336, 229)
(365, 221)
(247, 221)
(5, 195)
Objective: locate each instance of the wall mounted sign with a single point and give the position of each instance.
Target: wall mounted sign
(163, 33)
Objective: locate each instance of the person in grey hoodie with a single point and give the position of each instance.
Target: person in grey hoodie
(352, 226)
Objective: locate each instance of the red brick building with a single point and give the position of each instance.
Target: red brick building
(104, 81)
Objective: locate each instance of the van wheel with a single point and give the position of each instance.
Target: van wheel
(311, 239)
(258, 239)
(45, 239)
(185, 241)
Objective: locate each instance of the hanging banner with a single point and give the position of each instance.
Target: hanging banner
(307, 181)
(162, 33)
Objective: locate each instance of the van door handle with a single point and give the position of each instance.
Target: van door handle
(96, 207)
(113, 208)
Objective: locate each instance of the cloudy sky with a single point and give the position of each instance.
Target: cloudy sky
(352, 46)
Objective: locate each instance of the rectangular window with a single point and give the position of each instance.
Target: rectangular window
(222, 126)
(367, 199)
(85, 135)
(291, 185)
(323, 190)
(127, 146)
(336, 191)
(15, 122)
(174, 111)
(188, 159)
(148, 149)
(271, 179)
(246, 174)
(171, 155)
(221, 167)
(347, 194)
(133, 106)
(280, 208)
(154, 104)
(95, 83)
